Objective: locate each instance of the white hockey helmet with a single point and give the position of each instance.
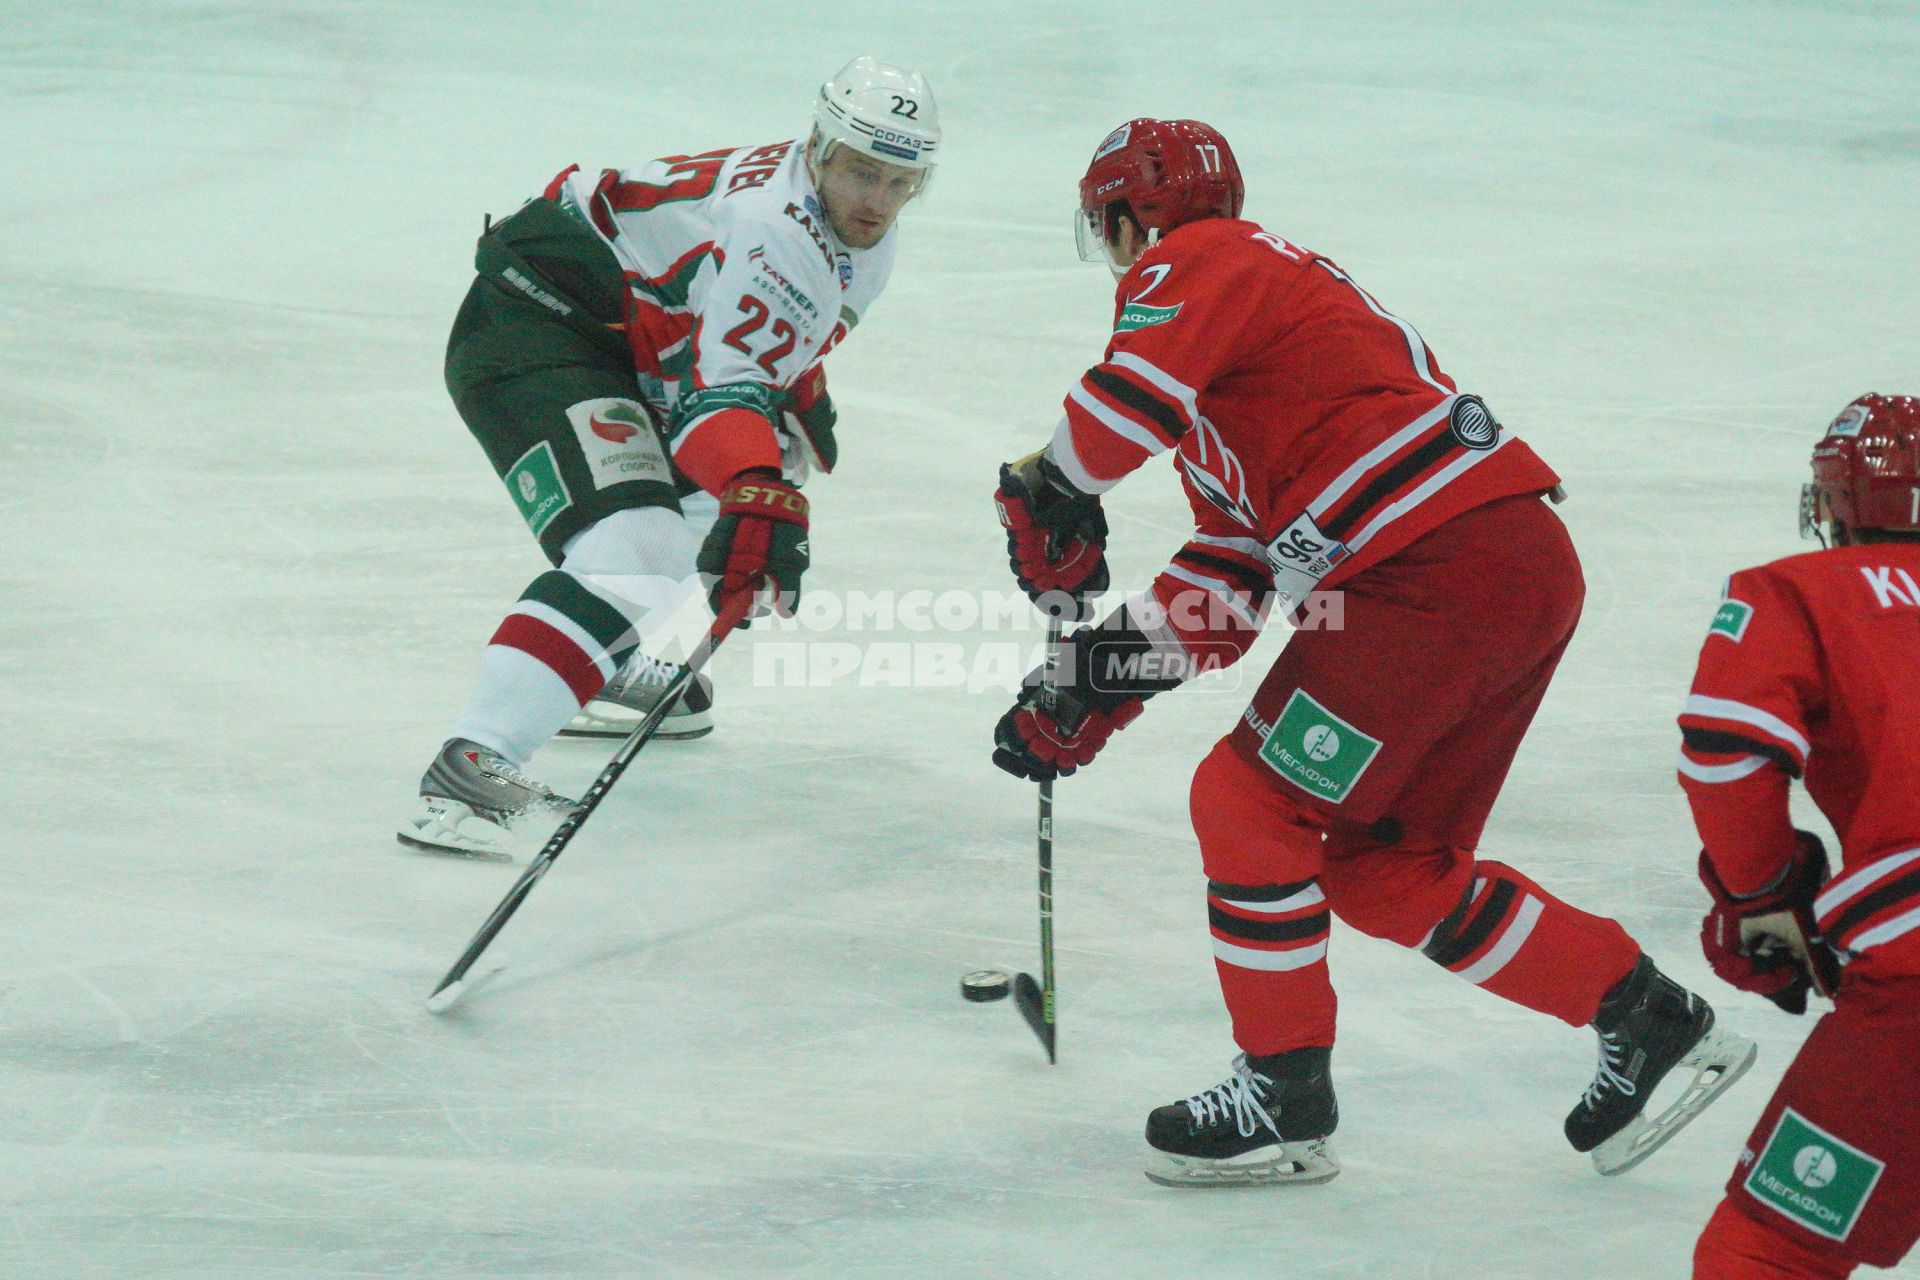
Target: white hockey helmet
(879, 110)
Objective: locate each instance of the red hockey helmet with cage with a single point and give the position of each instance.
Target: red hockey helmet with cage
(1866, 469)
(1169, 172)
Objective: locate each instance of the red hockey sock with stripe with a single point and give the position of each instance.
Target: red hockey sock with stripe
(1520, 942)
(1270, 947)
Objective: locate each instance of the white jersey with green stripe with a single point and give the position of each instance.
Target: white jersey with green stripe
(736, 284)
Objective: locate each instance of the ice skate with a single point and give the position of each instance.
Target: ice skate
(1648, 1025)
(1266, 1123)
(618, 709)
(473, 803)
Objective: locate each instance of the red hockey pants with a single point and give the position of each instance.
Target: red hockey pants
(1360, 778)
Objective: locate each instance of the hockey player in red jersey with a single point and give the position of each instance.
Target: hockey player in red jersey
(1322, 446)
(1811, 669)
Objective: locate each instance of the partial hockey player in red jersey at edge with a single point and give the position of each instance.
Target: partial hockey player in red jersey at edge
(1811, 669)
(1322, 447)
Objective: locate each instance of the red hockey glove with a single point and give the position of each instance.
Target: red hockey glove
(1056, 536)
(759, 540)
(807, 420)
(1767, 942)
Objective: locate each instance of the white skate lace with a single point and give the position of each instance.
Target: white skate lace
(1610, 1053)
(1239, 1092)
(647, 669)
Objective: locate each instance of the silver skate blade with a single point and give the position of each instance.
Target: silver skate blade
(597, 728)
(1289, 1164)
(451, 994)
(468, 853)
(679, 726)
(1720, 1058)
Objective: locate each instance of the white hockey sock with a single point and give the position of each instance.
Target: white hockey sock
(519, 704)
(621, 578)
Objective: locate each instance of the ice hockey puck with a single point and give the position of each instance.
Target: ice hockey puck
(983, 985)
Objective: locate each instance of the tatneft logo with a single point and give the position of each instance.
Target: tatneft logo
(1812, 1177)
(1316, 750)
(529, 487)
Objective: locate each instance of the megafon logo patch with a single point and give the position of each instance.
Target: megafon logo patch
(1114, 141)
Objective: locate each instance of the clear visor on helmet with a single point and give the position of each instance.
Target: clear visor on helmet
(1090, 235)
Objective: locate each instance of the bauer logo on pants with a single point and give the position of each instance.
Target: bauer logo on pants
(1812, 1177)
(1316, 750)
(537, 488)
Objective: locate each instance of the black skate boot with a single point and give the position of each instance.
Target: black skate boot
(631, 696)
(1648, 1025)
(1267, 1122)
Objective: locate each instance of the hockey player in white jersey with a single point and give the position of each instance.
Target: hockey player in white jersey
(639, 356)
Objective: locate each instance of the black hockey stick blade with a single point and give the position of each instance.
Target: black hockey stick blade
(1036, 1009)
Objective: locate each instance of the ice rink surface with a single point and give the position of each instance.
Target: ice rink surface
(251, 556)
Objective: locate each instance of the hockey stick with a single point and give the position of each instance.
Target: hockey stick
(455, 984)
(1035, 999)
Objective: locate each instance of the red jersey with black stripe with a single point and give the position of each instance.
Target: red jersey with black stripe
(1315, 432)
(1812, 668)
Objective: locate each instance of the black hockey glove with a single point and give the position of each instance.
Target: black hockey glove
(1056, 536)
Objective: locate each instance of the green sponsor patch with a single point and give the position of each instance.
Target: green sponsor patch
(1316, 750)
(1138, 316)
(1814, 1178)
(537, 488)
(1732, 619)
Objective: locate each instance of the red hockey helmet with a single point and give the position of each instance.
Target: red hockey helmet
(1866, 469)
(1168, 172)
